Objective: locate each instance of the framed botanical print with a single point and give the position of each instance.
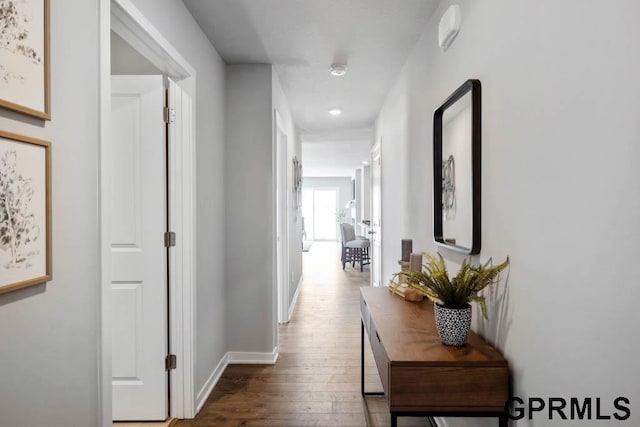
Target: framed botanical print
(24, 57)
(25, 211)
(297, 187)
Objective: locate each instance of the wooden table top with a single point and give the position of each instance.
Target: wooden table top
(408, 332)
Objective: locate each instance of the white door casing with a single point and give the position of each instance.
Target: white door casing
(126, 20)
(179, 209)
(376, 215)
(282, 222)
(138, 254)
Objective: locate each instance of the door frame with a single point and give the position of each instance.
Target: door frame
(376, 152)
(282, 219)
(128, 22)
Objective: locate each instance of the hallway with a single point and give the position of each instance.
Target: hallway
(316, 380)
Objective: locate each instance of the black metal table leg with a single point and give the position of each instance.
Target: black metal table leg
(394, 419)
(361, 357)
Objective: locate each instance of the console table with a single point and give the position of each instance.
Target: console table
(421, 376)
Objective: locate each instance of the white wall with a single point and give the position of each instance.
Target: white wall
(253, 93)
(249, 204)
(177, 25)
(392, 131)
(50, 333)
(559, 183)
(294, 149)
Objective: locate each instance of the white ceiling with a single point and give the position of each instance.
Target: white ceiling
(302, 38)
(333, 158)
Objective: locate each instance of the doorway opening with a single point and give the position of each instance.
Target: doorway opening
(320, 213)
(129, 26)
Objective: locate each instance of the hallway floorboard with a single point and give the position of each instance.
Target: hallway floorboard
(316, 380)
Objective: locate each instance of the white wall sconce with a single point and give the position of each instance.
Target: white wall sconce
(449, 27)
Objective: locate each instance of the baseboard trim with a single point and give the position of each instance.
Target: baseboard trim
(294, 301)
(251, 358)
(233, 358)
(213, 379)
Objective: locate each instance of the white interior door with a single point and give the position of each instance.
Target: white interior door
(376, 216)
(138, 254)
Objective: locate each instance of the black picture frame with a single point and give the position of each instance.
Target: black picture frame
(473, 86)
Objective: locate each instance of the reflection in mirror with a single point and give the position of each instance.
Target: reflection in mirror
(456, 173)
(457, 170)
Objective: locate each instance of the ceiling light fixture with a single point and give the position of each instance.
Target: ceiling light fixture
(338, 70)
(335, 111)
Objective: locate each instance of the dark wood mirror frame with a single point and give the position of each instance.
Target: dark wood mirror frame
(474, 87)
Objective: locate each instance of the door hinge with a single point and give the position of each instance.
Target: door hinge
(169, 115)
(169, 239)
(170, 362)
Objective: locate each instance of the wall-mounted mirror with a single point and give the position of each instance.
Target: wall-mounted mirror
(456, 170)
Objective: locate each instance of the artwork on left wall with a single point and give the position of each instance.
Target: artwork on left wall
(25, 211)
(297, 187)
(24, 57)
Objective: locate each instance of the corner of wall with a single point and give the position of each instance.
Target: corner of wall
(210, 383)
(249, 129)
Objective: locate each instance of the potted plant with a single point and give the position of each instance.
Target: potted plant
(452, 296)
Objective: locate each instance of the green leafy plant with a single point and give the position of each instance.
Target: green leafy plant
(342, 215)
(434, 282)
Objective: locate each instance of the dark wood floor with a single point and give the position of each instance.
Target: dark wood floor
(316, 380)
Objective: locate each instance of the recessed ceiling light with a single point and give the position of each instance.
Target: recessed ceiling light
(335, 111)
(364, 162)
(338, 70)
